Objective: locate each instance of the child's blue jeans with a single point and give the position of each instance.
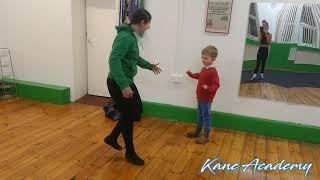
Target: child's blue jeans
(204, 116)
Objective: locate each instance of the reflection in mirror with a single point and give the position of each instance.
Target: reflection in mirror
(282, 53)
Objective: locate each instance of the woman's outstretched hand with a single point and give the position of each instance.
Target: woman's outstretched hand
(155, 69)
(127, 92)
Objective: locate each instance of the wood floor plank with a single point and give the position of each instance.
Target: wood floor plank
(25, 123)
(272, 157)
(308, 157)
(23, 147)
(235, 155)
(261, 153)
(296, 95)
(45, 141)
(50, 148)
(284, 154)
(222, 152)
(315, 148)
(14, 105)
(78, 142)
(173, 144)
(247, 156)
(296, 157)
(212, 152)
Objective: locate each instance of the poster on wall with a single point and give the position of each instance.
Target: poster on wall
(218, 16)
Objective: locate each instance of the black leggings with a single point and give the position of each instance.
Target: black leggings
(262, 57)
(130, 110)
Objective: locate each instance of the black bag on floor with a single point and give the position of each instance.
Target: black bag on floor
(111, 112)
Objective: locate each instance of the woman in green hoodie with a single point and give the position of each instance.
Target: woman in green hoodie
(123, 62)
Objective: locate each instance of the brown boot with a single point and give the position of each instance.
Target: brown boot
(194, 134)
(204, 138)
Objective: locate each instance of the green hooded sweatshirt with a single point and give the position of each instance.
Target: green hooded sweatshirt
(124, 57)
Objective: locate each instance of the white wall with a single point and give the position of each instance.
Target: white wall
(160, 45)
(40, 36)
(45, 47)
(307, 57)
(270, 13)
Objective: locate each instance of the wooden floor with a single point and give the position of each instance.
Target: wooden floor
(264, 91)
(44, 141)
(307, 96)
(297, 95)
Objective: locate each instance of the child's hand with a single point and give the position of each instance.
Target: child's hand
(205, 86)
(189, 73)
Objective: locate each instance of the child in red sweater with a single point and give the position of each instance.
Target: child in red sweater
(208, 84)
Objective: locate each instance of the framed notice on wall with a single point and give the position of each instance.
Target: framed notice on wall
(218, 16)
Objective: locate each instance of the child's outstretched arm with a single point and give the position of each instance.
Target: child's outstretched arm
(193, 75)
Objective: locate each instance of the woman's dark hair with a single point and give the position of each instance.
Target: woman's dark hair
(264, 21)
(140, 15)
(261, 27)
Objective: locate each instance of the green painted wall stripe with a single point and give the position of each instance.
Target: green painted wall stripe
(61, 95)
(237, 122)
(42, 92)
(29, 83)
(170, 112)
(251, 42)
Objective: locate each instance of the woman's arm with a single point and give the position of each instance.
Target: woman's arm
(259, 38)
(270, 38)
(119, 50)
(144, 64)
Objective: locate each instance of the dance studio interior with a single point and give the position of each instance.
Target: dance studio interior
(146, 89)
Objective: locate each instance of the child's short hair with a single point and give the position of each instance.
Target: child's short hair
(210, 51)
